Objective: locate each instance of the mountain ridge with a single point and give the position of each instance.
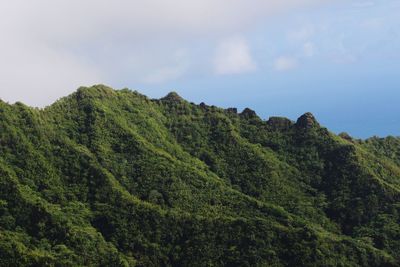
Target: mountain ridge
(153, 182)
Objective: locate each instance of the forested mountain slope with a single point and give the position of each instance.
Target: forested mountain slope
(113, 178)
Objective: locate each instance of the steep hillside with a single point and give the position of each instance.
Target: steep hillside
(113, 178)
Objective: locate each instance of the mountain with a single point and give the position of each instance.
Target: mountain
(109, 177)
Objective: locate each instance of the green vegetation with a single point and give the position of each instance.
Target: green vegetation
(113, 178)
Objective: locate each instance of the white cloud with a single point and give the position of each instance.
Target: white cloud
(38, 74)
(233, 57)
(341, 53)
(364, 4)
(373, 24)
(176, 67)
(301, 34)
(345, 58)
(49, 47)
(309, 49)
(164, 74)
(285, 63)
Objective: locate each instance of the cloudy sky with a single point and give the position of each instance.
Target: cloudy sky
(338, 59)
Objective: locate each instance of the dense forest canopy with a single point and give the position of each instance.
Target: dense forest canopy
(109, 177)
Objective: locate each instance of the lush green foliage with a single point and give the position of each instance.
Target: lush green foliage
(112, 178)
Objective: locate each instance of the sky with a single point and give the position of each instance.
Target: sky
(338, 59)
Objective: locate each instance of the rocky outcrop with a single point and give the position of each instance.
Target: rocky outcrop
(306, 121)
(173, 97)
(279, 123)
(203, 105)
(232, 110)
(346, 136)
(248, 113)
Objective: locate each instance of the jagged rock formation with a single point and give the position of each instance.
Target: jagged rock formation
(279, 123)
(306, 121)
(248, 113)
(232, 110)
